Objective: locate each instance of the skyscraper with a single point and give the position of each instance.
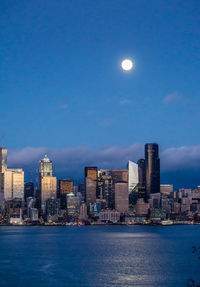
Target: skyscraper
(28, 190)
(46, 167)
(132, 176)
(3, 167)
(121, 197)
(90, 184)
(13, 184)
(142, 179)
(152, 163)
(48, 189)
(47, 183)
(105, 187)
(118, 175)
(65, 187)
(3, 159)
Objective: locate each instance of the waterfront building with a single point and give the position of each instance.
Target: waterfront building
(13, 184)
(52, 207)
(28, 190)
(109, 216)
(34, 214)
(152, 163)
(65, 187)
(73, 205)
(48, 189)
(30, 203)
(83, 212)
(155, 200)
(176, 207)
(141, 207)
(121, 197)
(13, 207)
(95, 208)
(105, 187)
(91, 184)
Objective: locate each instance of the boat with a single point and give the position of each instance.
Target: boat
(166, 222)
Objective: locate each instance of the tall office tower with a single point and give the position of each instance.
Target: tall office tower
(13, 184)
(48, 189)
(121, 197)
(3, 167)
(45, 167)
(105, 187)
(133, 178)
(118, 175)
(3, 159)
(65, 187)
(152, 163)
(28, 190)
(90, 184)
(142, 179)
(73, 205)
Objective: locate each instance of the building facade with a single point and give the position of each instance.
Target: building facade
(152, 164)
(48, 189)
(65, 187)
(121, 197)
(13, 184)
(90, 184)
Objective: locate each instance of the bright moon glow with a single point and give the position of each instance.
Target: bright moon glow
(127, 65)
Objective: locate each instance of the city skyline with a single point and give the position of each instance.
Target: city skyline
(179, 166)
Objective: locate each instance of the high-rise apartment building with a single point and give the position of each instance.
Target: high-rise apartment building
(152, 163)
(65, 187)
(90, 184)
(13, 184)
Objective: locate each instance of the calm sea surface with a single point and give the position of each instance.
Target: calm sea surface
(98, 256)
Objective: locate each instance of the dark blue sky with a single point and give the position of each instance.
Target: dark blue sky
(61, 85)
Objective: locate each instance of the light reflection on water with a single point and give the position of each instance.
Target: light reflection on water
(98, 256)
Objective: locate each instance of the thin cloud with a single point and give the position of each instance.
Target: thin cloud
(71, 161)
(105, 123)
(172, 97)
(125, 102)
(63, 107)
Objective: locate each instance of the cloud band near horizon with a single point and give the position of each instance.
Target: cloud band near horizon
(71, 161)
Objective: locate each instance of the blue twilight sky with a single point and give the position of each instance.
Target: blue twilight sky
(61, 85)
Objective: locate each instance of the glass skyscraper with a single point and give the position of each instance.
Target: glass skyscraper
(152, 163)
(132, 176)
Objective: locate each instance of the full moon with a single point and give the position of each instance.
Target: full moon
(127, 65)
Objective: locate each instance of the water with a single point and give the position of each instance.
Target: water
(98, 256)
